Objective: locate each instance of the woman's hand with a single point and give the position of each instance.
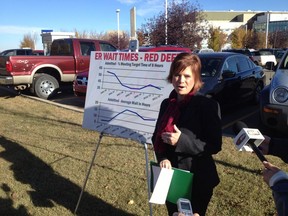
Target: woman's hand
(165, 164)
(171, 138)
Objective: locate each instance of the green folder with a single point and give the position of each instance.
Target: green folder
(180, 186)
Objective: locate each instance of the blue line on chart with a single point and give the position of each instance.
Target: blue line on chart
(127, 110)
(150, 85)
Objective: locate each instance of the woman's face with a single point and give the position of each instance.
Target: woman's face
(183, 82)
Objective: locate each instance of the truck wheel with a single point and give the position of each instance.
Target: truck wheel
(45, 86)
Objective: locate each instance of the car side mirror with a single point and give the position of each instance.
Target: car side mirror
(228, 74)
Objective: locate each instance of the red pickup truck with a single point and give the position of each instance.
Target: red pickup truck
(43, 75)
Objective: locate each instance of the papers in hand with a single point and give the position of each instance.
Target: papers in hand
(169, 185)
(161, 181)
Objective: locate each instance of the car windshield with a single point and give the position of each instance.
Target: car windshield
(284, 64)
(210, 66)
(265, 53)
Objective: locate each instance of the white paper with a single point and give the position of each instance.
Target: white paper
(162, 184)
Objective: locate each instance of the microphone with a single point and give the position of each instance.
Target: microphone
(248, 136)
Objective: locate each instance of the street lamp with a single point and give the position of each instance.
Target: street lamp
(267, 27)
(118, 12)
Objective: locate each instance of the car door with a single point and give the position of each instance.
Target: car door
(230, 81)
(246, 76)
(83, 60)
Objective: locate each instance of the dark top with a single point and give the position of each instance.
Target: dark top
(280, 195)
(201, 136)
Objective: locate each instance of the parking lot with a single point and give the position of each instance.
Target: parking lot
(247, 113)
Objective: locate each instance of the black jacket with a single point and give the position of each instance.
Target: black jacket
(201, 137)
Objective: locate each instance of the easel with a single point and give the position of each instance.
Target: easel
(91, 165)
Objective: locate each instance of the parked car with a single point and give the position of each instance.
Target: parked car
(274, 99)
(246, 52)
(80, 84)
(166, 48)
(44, 75)
(14, 52)
(279, 55)
(261, 57)
(274, 51)
(231, 78)
(205, 50)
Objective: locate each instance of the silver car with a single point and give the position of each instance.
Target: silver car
(274, 99)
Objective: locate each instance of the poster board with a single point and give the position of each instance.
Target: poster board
(124, 93)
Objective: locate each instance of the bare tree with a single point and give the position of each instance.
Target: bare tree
(123, 39)
(112, 37)
(279, 39)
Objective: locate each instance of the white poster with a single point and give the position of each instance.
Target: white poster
(124, 93)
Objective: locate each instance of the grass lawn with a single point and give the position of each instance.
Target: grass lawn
(45, 155)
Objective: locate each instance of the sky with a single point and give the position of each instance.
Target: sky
(31, 16)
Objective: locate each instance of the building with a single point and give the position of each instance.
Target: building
(259, 21)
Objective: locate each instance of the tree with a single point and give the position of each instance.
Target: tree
(141, 37)
(123, 39)
(29, 40)
(183, 25)
(238, 38)
(249, 39)
(111, 37)
(279, 39)
(217, 39)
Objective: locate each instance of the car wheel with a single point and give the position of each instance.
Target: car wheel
(45, 86)
(256, 95)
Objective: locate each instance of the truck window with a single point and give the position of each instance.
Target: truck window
(107, 47)
(86, 48)
(61, 48)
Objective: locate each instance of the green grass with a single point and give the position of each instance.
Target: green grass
(45, 155)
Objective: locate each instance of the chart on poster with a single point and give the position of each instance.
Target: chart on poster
(125, 90)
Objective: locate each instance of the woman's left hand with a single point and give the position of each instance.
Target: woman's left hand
(165, 164)
(171, 138)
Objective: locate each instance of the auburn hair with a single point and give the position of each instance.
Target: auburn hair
(181, 62)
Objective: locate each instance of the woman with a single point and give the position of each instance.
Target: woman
(188, 131)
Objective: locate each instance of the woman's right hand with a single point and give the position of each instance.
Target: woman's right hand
(165, 164)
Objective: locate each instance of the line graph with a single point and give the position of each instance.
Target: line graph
(133, 88)
(133, 80)
(123, 98)
(129, 111)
